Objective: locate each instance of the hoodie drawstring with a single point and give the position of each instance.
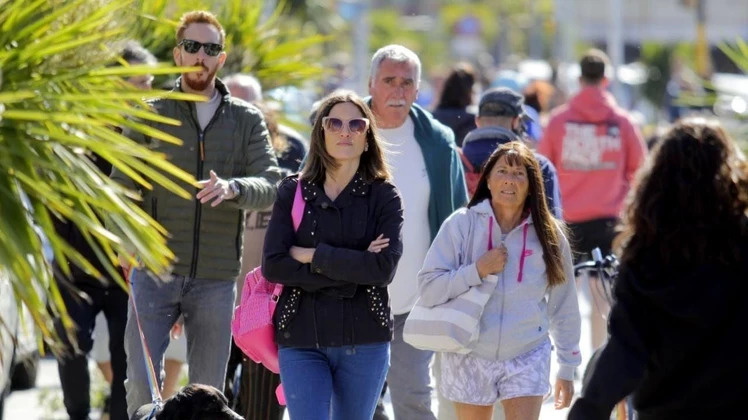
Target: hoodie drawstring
(490, 233)
(522, 255)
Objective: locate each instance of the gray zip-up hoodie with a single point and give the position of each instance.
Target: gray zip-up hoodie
(523, 310)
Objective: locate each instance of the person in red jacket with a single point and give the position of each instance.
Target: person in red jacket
(596, 150)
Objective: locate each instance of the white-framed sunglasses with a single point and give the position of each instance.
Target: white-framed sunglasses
(355, 125)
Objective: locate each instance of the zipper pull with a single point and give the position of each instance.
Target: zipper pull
(201, 141)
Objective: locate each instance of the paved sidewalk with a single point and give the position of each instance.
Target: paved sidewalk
(45, 401)
(38, 403)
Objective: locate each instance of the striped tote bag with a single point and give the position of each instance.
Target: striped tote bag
(454, 325)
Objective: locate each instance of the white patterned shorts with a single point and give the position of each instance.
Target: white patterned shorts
(473, 380)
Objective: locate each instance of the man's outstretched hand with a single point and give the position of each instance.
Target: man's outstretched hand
(216, 189)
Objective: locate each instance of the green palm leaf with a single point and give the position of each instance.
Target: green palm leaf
(59, 103)
(265, 44)
(738, 54)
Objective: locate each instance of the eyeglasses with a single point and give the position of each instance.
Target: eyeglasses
(355, 125)
(193, 47)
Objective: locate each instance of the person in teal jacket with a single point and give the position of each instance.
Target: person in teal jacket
(441, 157)
(443, 166)
(427, 170)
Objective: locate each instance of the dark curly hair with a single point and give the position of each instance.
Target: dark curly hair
(690, 201)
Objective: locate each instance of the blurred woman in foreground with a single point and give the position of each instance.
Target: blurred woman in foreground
(680, 295)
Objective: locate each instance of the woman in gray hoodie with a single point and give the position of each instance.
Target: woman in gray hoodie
(534, 297)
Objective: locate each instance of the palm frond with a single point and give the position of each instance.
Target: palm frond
(263, 43)
(59, 104)
(738, 54)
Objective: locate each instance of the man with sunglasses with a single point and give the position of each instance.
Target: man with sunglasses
(426, 168)
(225, 144)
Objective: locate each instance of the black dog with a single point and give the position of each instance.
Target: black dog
(193, 402)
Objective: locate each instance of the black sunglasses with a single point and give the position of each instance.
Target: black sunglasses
(355, 125)
(193, 47)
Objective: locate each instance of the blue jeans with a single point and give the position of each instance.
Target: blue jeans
(339, 383)
(207, 306)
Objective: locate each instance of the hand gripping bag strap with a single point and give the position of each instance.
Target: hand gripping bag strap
(453, 325)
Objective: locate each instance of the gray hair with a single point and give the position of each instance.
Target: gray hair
(398, 54)
(248, 82)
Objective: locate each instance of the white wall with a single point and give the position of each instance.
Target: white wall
(659, 20)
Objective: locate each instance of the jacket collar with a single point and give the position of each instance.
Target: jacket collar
(314, 193)
(189, 106)
(594, 104)
(501, 134)
(220, 87)
(442, 166)
(484, 208)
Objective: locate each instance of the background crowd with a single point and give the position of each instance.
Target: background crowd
(415, 192)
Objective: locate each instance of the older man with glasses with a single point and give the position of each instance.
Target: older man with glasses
(225, 144)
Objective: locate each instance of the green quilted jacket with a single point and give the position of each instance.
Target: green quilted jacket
(208, 241)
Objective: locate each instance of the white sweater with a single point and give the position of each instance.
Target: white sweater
(522, 310)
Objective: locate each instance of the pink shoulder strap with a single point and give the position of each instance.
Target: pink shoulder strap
(297, 211)
(490, 233)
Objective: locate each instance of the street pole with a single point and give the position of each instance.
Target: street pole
(536, 40)
(615, 46)
(702, 45)
(503, 45)
(361, 47)
(564, 12)
(356, 13)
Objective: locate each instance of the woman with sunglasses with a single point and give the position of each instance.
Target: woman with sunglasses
(332, 322)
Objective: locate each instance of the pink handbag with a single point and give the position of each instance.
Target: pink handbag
(252, 326)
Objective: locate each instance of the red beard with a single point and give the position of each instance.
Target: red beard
(191, 80)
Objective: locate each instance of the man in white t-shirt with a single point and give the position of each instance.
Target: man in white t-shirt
(426, 169)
